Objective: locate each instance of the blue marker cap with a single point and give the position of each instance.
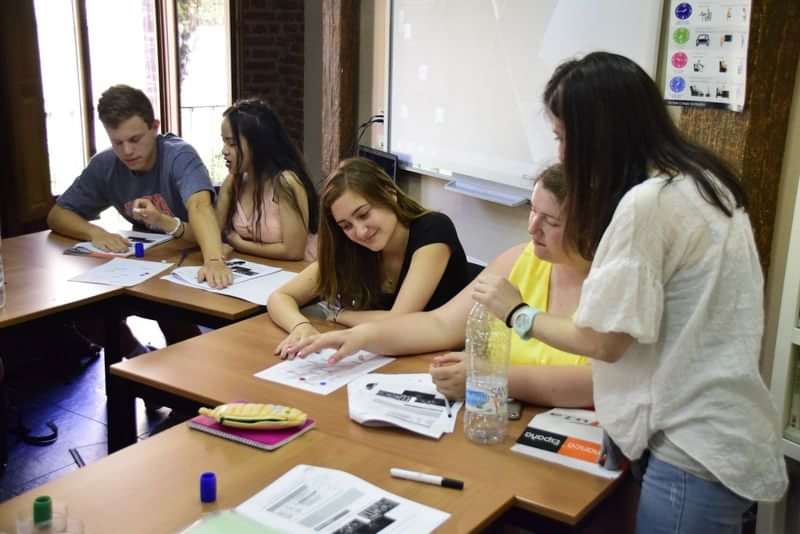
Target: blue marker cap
(208, 487)
(138, 250)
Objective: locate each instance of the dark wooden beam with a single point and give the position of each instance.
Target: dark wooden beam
(753, 141)
(25, 195)
(339, 80)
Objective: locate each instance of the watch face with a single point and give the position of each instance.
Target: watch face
(522, 322)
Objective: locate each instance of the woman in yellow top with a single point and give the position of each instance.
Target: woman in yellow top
(547, 272)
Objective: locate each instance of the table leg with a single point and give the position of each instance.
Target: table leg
(121, 414)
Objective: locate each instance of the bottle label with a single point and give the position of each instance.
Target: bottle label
(480, 401)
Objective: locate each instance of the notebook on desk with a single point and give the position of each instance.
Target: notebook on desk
(260, 438)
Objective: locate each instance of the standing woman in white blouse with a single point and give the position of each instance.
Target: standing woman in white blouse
(672, 308)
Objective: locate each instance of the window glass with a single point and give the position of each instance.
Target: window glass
(203, 48)
(58, 55)
(122, 49)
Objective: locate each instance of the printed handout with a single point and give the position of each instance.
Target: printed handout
(147, 239)
(122, 272)
(309, 499)
(242, 270)
(256, 290)
(316, 375)
(409, 401)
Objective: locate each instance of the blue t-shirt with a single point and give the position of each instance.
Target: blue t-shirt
(177, 174)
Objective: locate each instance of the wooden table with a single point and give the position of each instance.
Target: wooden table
(37, 277)
(156, 295)
(154, 486)
(218, 367)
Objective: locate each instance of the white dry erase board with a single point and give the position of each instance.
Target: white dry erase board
(466, 77)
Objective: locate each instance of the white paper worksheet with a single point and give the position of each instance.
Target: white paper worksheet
(316, 375)
(318, 500)
(147, 239)
(122, 272)
(256, 290)
(242, 270)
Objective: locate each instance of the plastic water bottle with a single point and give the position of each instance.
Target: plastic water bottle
(487, 347)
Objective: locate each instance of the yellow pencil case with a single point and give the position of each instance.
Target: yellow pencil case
(254, 415)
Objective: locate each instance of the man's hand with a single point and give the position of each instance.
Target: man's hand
(108, 241)
(216, 273)
(147, 212)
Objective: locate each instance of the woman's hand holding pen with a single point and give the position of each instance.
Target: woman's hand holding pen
(449, 374)
(497, 294)
(301, 331)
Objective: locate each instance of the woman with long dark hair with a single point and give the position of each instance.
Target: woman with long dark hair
(672, 308)
(267, 205)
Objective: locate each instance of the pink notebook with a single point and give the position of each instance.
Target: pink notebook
(262, 439)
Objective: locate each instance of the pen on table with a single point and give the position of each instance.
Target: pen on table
(426, 478)
(447, 407)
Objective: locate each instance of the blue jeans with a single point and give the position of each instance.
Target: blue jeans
(675, 502)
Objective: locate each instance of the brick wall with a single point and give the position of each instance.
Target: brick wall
(269, 41)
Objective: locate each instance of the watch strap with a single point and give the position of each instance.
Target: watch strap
(511, 313)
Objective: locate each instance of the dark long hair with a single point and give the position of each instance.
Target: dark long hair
(348, 271)
(273, 153)
(617, 131)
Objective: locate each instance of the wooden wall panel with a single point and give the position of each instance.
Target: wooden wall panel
(26, 196)
(753, 141)
(339, 80)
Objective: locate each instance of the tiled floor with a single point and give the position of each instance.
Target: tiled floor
(77, 405)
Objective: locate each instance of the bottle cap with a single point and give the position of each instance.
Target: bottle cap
(42, 509)
(208, 487)
(138, 250)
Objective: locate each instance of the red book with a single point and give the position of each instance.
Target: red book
(260, 438)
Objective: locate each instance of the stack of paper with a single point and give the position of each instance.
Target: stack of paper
(147, 239)
(253, 282)
(313, 373)
(409, 401)
(317, 500)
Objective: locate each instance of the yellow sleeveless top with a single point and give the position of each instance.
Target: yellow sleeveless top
(532, 276)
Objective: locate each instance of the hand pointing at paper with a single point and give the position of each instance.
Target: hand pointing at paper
(346, 343)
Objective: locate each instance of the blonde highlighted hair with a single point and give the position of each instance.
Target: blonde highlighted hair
(350, 273)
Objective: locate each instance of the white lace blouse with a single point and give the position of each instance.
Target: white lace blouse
(684, 281)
